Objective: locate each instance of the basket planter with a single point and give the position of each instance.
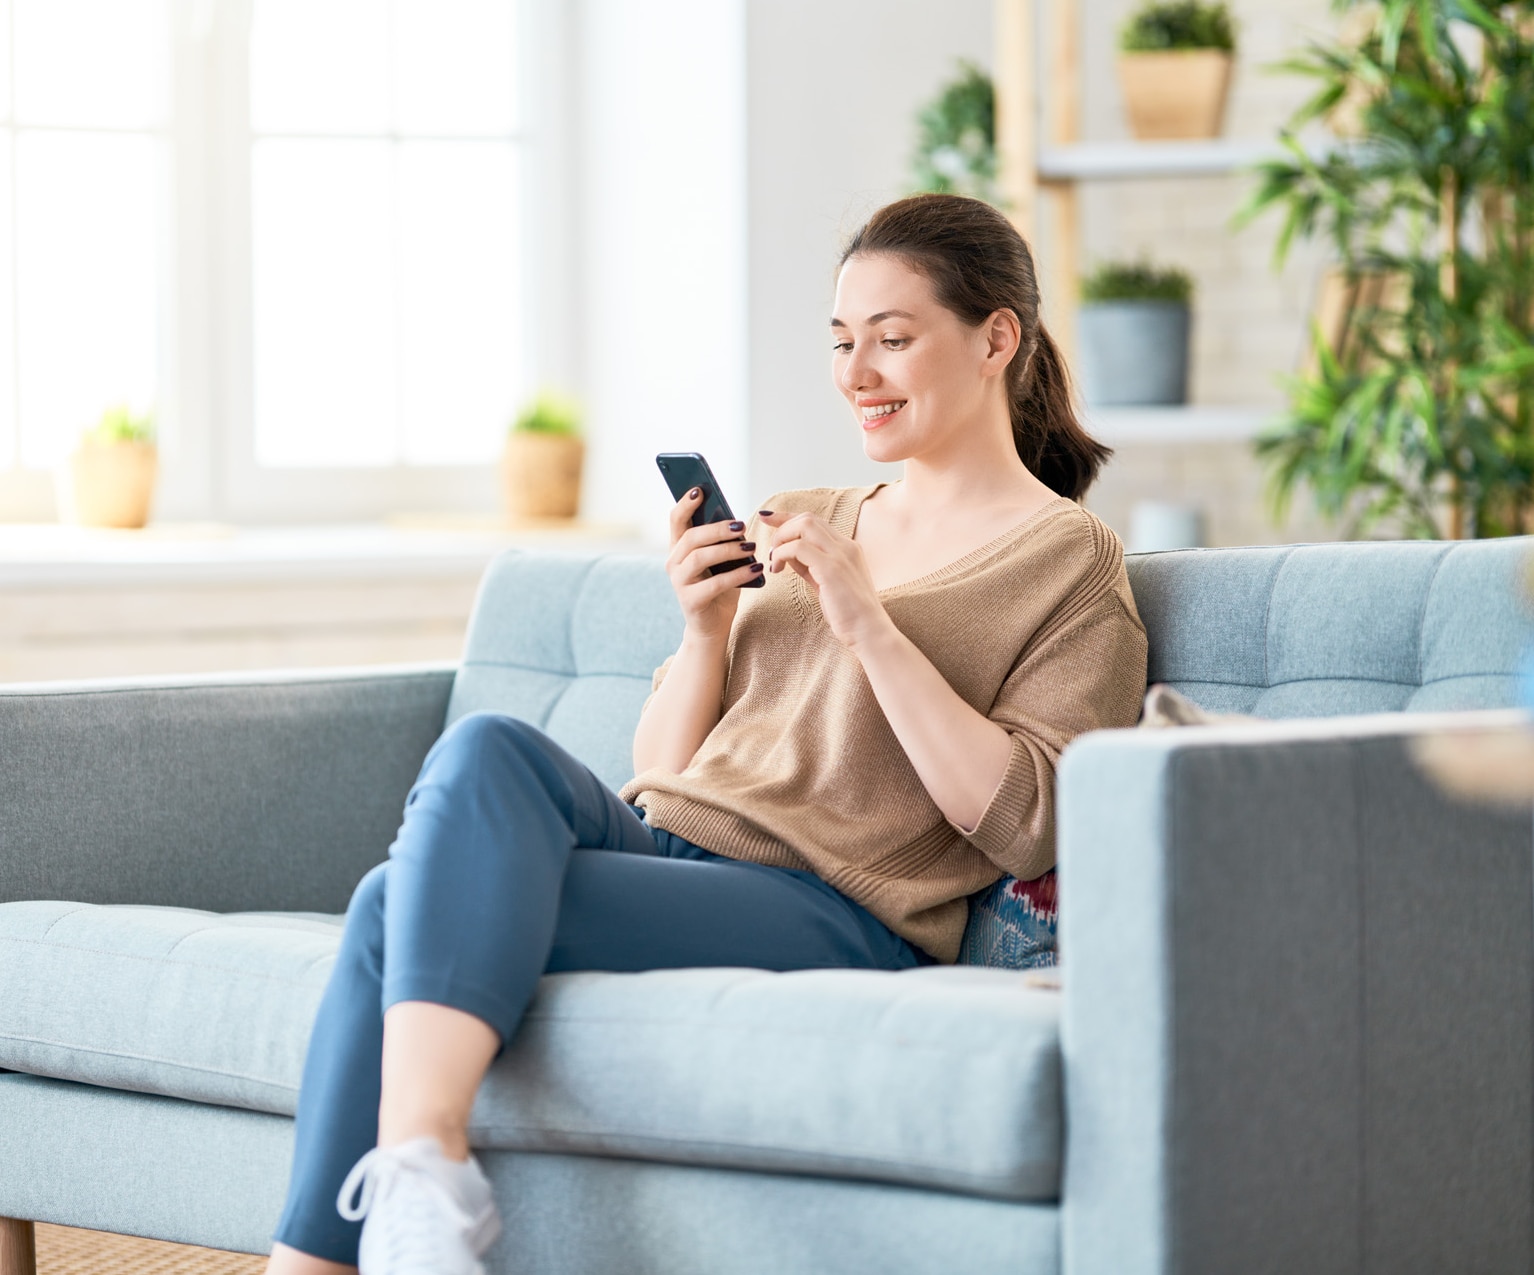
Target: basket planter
(1134, 353)
(1176, 93)
(108, 484)
(541, 475)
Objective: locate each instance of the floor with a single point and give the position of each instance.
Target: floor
(64, 1250)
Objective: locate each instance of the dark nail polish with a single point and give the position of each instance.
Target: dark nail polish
(737, 526)
(694, 494)
(748, 546)
(765, 513)
(756, 568)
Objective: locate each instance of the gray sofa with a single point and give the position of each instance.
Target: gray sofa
(1296, 1031)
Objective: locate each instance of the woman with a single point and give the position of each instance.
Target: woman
(827, 768)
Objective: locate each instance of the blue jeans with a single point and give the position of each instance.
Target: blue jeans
(514, 859)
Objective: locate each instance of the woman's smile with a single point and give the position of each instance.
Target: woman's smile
(876, 411)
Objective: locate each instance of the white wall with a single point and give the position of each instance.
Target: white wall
(728, 149)
(661, 208)
(832, 92)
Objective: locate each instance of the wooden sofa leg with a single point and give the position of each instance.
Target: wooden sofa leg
(18, 1247)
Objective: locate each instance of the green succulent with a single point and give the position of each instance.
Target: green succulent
(1137, 281)
(549, 413)
(956, 138)
(1178, 24)
(118, 424)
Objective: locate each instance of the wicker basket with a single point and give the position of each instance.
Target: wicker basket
(1179, 93)
(541, 475)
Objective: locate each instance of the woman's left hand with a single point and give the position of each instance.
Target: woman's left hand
(833, 566)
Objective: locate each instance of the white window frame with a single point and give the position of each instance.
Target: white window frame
(205, 406)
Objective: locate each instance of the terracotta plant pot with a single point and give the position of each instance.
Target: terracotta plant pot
(108, 484)
(1179, 93)
(541, 475)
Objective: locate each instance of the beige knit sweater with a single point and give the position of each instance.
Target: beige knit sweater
(1037, 630)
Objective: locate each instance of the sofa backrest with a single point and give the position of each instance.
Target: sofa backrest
(1321, 630)
(569, 644)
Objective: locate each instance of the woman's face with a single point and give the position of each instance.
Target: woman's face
(916, 376)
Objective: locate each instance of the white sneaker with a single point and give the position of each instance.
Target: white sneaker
(425, 1214)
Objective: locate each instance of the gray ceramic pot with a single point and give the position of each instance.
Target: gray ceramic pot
(1134, 352)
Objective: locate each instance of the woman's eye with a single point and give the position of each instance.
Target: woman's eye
(896, 342)
(841, 347)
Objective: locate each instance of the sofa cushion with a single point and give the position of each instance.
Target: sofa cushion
(945, 1077)
(1324, 630)
(543, 645)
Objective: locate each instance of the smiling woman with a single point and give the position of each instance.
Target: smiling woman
(828, 768)
(969, 277)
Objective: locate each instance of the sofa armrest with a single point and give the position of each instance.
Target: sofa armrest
(1298, 1018)
(232, 793)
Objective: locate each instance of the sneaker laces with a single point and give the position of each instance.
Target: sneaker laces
(413, 1223)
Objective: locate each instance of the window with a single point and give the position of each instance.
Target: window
(384, 231)
(83, 154)
(292, 226)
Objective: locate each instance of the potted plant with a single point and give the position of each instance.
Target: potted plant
(956, 138)
(108, 480)
(1134, 324)
(1174, 68)
(541, 466)
(1416, 415)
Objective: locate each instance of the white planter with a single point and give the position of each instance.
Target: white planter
(1134, 353)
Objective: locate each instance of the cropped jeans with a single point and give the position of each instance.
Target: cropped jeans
(514, 859)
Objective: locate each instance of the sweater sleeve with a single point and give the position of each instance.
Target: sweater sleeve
(1088, 676)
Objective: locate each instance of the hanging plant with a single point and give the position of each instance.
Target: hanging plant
(956, 138)
(1419, 415)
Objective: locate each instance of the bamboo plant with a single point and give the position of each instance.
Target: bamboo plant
(1419, 418)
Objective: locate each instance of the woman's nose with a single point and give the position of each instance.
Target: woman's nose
(858, 373)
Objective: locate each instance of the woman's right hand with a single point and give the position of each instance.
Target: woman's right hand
(708, 601)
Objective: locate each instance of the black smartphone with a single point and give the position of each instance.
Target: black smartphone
(685, 470)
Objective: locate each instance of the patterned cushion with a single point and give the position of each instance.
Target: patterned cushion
(1012, 925)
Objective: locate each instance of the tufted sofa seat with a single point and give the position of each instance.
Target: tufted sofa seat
(730, 1067)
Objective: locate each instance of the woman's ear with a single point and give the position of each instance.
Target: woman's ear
(1003, 336)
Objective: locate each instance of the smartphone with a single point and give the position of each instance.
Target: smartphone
(685, 470)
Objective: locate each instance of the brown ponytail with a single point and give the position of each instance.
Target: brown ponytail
(978, 264)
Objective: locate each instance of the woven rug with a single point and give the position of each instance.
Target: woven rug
(64, 1250)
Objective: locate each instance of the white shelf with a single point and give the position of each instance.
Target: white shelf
(1119, 426)
(1106, 161)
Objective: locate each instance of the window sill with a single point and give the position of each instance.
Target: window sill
(49, 555)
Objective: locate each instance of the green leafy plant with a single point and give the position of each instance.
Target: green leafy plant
(549, 413)
(118, 424)
(1420, 418)
(1178, 24)
(1136, 281)
(956, 138)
